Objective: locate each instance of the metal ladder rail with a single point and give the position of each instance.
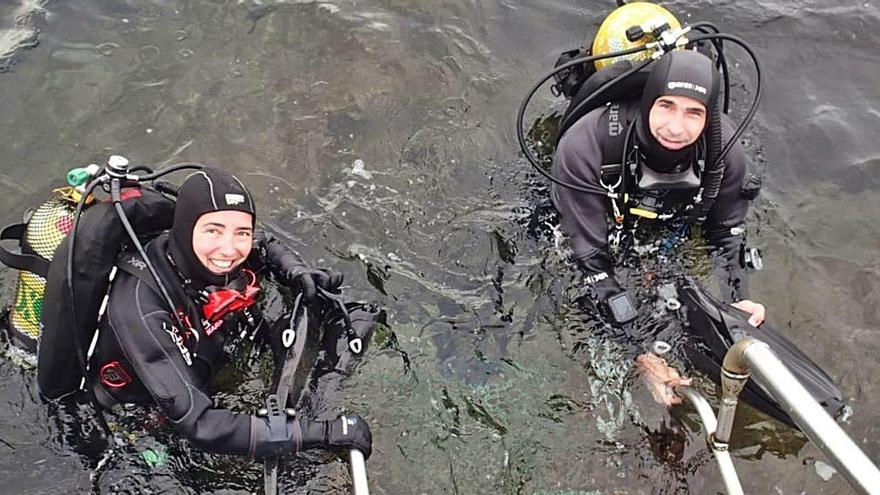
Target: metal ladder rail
(719, 450)
(752, 355)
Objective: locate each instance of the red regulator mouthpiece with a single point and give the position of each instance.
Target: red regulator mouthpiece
(224, 300)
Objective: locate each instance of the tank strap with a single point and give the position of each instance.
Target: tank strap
(16, 259)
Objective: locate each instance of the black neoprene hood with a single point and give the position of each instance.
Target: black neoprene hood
(205, 191)
(678, 73)
(682, 73)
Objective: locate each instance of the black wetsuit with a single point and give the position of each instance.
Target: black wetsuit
(578, 161)
(172, 367)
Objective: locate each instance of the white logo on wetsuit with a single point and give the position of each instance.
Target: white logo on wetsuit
(686, 85)
(178, 340)
(234, 199)
(614, 125)
(346, 422)
(139, 264)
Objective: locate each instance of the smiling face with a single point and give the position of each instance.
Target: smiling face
(677, 121)
(223, 239)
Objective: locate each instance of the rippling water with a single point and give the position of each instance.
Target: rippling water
(379, 137)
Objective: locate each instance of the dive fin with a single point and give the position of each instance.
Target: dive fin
(718, 326)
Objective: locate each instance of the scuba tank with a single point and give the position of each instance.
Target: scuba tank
(69, 324)
(38, 236)
(586, 85)
(59, 296)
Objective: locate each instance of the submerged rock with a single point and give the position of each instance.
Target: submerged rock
(824, 470)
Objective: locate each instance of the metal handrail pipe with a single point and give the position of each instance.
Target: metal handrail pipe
(358, 473)
(825, 433)
(704, 410)
(728, 472)
(734, 375)
(722, 455)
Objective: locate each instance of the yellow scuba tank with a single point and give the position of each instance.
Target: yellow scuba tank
(629, 26)
(632, 25)
(38, 237)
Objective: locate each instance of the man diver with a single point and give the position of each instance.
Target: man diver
(208, 261)
(661, 172)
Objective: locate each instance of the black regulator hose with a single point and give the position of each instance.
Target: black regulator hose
(165, 187)
(713, 174)
(630, 132)
(758, 89)
(710, 28)
(80, 354)
(172, 168)
(520, 116)
(116, 196)
(161, 186)
(574, 114)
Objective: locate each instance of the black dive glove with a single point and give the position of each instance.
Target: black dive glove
(272, 434)
(609, 298)
(345, 431)
(307, 281)
(613, 302)
(292, 272)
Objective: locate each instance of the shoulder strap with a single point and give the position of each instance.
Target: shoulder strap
(16, 259)
(613, 125)
(133, 264)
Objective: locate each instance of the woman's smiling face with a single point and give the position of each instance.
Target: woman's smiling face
(222, 240)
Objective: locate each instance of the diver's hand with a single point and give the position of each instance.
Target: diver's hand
(757, 310)
(345, 431)
(660, 378)
(352, 432)
(610, 299)
(307, 281)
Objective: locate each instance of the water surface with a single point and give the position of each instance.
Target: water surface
(378, 136)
